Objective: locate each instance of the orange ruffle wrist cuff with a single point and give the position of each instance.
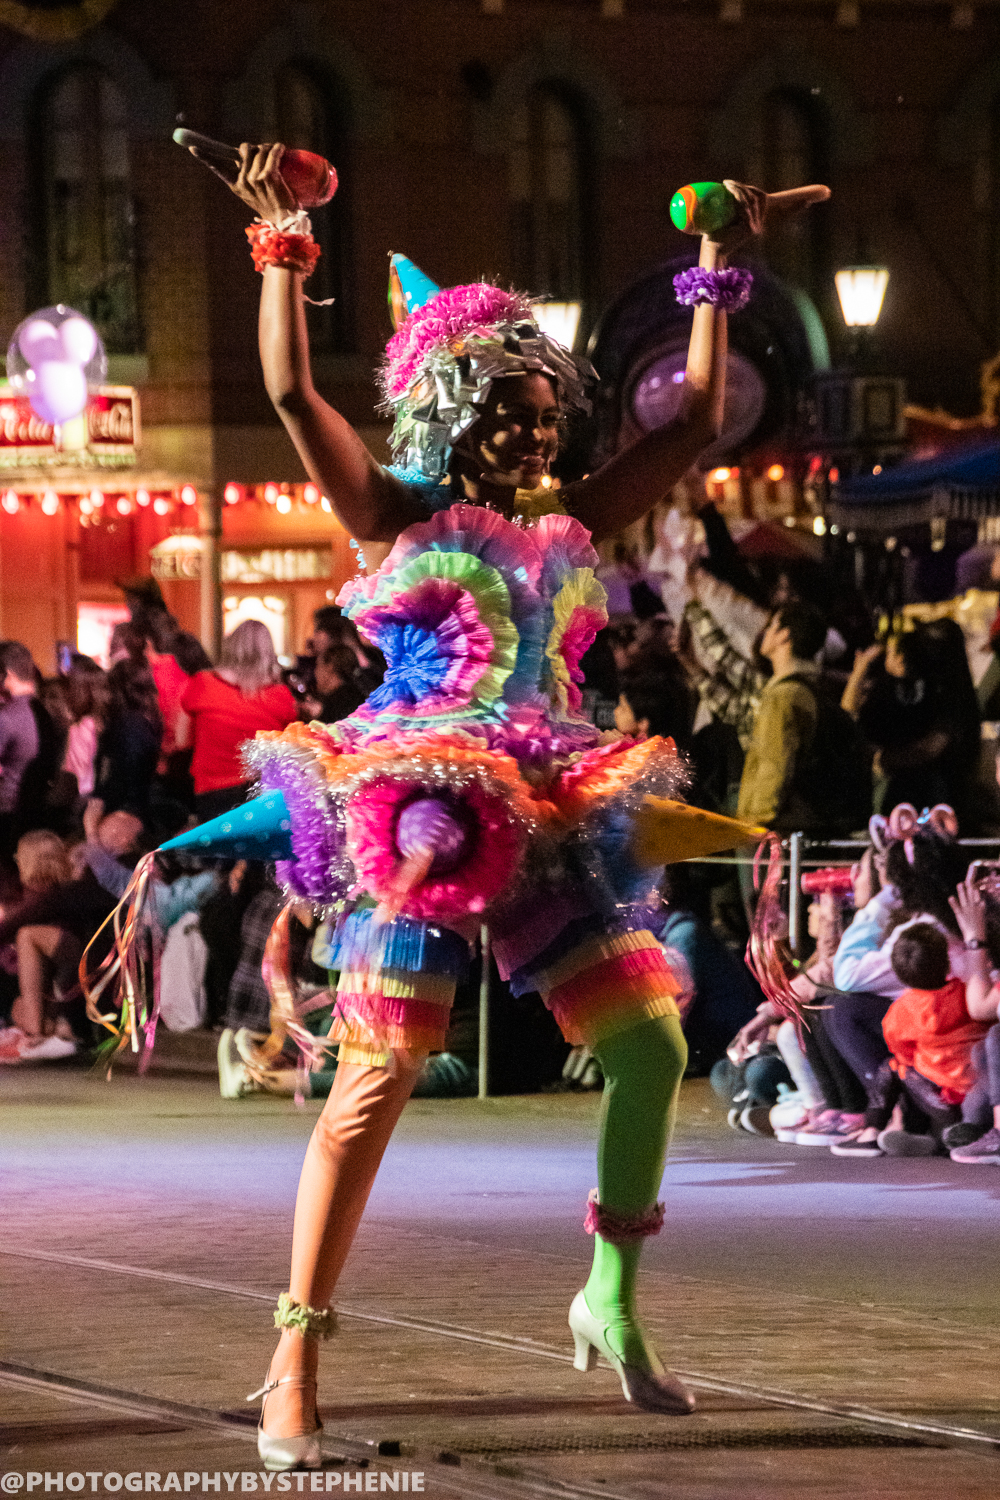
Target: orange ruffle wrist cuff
(290, 252)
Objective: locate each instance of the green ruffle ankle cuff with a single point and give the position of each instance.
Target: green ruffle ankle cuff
(308, 1321)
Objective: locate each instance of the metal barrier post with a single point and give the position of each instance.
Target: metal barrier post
(484, 1013)
(794, 893)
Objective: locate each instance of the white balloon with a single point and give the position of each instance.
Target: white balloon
(39, 340)
(78, 339)
(60, 392)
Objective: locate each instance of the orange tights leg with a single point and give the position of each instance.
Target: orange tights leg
(341, 1161)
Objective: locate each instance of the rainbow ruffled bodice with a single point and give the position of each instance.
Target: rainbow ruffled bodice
(470, 776)
(483, 624)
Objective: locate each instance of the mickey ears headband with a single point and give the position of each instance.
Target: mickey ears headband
(904, 821)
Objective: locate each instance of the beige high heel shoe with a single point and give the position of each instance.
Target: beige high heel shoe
(280, 1453)
(652, 1389)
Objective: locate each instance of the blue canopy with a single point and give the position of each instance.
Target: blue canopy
(967, 468)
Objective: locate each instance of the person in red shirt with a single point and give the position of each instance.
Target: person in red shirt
(227, 705)
(930, 1034)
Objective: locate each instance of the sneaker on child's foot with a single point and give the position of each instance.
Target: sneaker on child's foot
(235, 1081)
(824, 1129)
(906, 1143)
(49, 1049)
(739, 1104)
(853, 1145)
(12, 1039)
(788, 1116)
(986, 1150)
(961, 1134)
(755, 1119)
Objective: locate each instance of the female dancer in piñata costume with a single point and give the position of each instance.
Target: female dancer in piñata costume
(469, 787)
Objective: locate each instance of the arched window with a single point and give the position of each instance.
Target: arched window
(84, 210)
(792, 149)
(308, 118)
(986, 195)
(550, 191)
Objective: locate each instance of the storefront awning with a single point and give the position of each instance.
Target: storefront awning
(959, 485)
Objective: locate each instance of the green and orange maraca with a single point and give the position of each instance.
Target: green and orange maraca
(708, 208)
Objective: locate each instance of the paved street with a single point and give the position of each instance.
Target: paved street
(837, 1318)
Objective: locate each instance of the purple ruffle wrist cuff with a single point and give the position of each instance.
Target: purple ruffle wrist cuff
(618, 1228)
(728, 289)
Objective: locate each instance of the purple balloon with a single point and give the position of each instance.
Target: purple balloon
(58, 392)
(430, 823)
(38, 340)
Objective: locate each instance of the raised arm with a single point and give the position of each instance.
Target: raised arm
(370, 503)
(632, 482)
(857, 685)
(981, 995)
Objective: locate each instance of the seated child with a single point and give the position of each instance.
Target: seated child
(930, 1035)
(976, 1138)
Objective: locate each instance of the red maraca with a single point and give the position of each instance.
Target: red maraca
(310, 178)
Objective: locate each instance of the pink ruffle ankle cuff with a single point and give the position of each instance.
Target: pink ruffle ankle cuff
(618, 1228)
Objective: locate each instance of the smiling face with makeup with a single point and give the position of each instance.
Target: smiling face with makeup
(515, 440)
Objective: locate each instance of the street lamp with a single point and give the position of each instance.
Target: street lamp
(560, 320)
(861, 290)
(860, 414)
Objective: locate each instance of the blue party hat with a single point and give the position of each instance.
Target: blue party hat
(260, 829)
(409, 288)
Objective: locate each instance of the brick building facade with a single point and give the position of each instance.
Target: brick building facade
(528, 140)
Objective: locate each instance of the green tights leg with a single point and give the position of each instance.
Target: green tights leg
(642, 1070)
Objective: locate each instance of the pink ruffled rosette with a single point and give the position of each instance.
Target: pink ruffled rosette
(492, 853)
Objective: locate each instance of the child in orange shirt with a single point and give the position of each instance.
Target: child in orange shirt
(931, 1036)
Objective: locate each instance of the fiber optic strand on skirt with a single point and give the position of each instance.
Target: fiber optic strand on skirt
(768, 955)
(135, 1014)
(287, 1009)
(258, 830)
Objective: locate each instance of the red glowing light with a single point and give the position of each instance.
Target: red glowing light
(231, 494)
(189, 495)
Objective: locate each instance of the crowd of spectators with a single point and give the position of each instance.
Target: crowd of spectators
(900, 1051)
(900, 1047)
(100, 766)
(802, 720)
(790, 715)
